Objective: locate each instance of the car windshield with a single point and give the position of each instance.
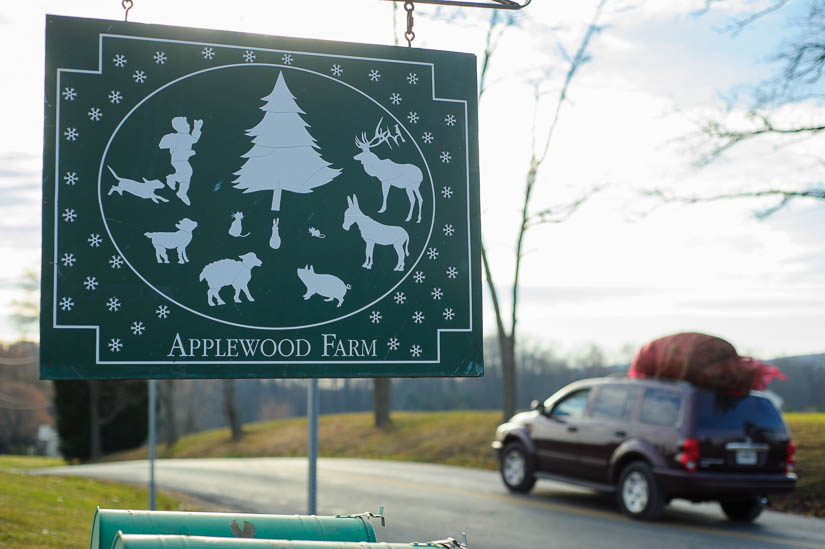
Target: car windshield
(749, 414)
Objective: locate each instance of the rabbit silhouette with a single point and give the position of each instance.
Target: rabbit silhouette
(275, 239)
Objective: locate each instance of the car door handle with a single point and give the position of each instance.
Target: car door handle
(572, 428)
(620, 434)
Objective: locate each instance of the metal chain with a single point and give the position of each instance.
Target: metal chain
(409, 35)
(127, 5)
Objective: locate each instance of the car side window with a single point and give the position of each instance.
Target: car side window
(572, 405)
(660, 407)
(614, 402)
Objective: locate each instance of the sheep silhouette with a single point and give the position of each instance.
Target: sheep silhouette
(229, 272)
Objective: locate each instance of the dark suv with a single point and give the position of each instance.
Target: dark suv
(650, 441)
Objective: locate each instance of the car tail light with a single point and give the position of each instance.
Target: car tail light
(689, 456)
(790, 458)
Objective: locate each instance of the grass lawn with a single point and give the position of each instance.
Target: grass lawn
(57, 512)
(808, 433)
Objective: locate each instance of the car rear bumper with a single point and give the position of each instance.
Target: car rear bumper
(706, 486)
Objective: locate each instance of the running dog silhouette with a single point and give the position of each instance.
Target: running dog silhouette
(226, 272)
(403, 176)
(178, 240)
(374, 233)
(141, 190)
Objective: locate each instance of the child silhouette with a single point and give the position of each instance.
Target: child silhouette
(180, 147)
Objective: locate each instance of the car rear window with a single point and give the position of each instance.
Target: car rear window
(661, 407)
(750, 413)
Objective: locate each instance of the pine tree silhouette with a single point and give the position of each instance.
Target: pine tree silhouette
(284, 156)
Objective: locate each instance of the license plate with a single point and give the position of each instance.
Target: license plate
(746, 457)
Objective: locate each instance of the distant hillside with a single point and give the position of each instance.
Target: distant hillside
(804, 391)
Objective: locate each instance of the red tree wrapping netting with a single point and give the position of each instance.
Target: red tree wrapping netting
(703, 360)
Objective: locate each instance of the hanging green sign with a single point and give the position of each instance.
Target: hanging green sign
(226, 205)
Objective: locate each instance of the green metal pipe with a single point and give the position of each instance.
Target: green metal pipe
(143, 541)
(108, 522)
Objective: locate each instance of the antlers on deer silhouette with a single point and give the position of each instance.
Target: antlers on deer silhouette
(403, 176)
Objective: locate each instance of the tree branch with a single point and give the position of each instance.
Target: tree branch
(786, 196)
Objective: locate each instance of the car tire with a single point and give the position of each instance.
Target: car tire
(638, 494)
(517, 468)
(743, 510)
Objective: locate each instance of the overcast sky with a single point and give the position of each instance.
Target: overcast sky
(608, 275)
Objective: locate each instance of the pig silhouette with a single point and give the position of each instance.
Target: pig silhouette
(327, 285)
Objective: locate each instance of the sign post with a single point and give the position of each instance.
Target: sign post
(226, 205)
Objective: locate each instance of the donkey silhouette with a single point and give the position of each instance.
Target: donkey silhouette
(374, 233)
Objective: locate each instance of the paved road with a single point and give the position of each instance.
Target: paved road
(424, 502)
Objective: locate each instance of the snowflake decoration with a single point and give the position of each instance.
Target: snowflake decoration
(437, 294)
(336, 70)
(395, 98)
(113, 304)
(374, 75)
(94, 240)
(249, 56)
(115, 345)
(446, 192)
(137, 328)
(66, 304)
(68, 260)
(375, 317)
(392, 343)
(419, 277)
(139, 76)
(71, 134)
(448, 314)
(427, 137)
(412, 79)
(160, 57)
(115, 97)
(70, 178)
(446, 157)
(69, 215)
(208, 53)
(399, 297)
(69, 94)
(119, 60)
(91, 283)
(415, 351)
(116, 262)
(162, 311)
(452, 272)
(448, 230)
(418, 317)
(413, 117)
(432, 253)
(95, 114)
(450, 120)
(286, 59)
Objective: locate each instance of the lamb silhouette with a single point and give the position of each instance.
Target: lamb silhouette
(226, 272)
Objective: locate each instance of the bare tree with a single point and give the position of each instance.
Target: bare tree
(230, 408)
(777, 110)
(530, 217)
(26, 308)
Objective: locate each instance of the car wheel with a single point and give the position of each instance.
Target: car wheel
(517, 468)
(743, 510)
(638, 494)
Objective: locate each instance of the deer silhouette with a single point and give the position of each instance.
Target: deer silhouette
(403, 176)
(374, 233)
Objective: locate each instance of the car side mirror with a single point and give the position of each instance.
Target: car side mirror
(538, 406)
